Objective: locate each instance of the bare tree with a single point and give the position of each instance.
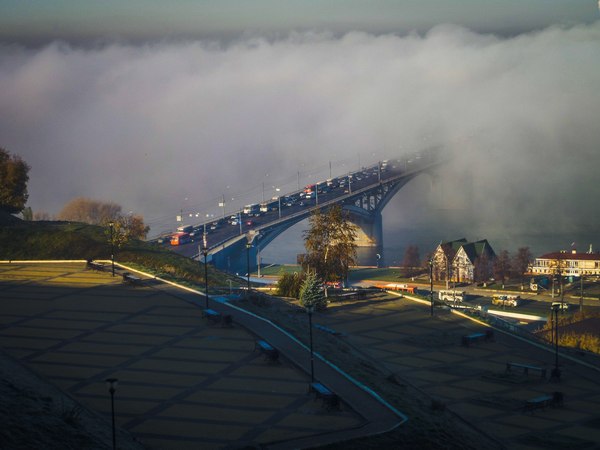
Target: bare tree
(520, 263)
(501, 266)
(481, 270)
(411, 260)
(90, 211)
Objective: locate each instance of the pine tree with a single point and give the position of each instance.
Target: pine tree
(311, 292)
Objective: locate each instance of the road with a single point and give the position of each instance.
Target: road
(298, 202)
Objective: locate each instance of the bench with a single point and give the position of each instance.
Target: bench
(469, 339)
(95, 266)
(526, 368)
(131, 279)
(270, 352)
(327, 329)
(544, 401)
(212, 315)
(330, 399)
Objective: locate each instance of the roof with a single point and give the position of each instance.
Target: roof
(474, 250)
(572, 256)
(451, 247)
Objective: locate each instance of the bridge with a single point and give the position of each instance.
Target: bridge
(233, 242)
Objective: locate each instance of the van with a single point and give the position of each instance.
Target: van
(448, 295)
(185, 229)
(506, 300)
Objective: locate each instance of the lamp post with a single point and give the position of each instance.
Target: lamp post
(112, 387)
(556, 371)
(581, 291)
(250, 236)
(309, 310)
(111, 224)
(205, 254)
(248, 247)
(431, 284)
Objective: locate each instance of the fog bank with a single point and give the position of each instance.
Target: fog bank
(164, 127)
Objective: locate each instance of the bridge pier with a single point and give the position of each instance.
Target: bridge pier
(369, 228)
(234, 258)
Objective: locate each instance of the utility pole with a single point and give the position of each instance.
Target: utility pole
(431, 284)
(581, 292)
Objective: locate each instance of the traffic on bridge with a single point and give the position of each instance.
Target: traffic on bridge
(292, 207)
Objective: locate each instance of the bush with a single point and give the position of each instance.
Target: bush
(289, 284)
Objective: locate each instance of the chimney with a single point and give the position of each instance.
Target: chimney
(574, 251)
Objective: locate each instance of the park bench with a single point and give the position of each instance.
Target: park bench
(131, 279)
(270, 352)
(526, 368)
(330, 399)
(227, 321)
(327, 329)
(212, 315)
(469, 339)
(95, 266)
(544, 401)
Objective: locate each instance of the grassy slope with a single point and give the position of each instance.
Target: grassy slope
(64, 240)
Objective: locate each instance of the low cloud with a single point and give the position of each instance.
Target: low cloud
(164, 127)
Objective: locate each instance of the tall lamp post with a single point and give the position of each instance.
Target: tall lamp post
(309, 310)
(205, 254)
(112, 387)
(556, 371)
(248, 247)
(431, 284)
(250, 237)
(111, 224)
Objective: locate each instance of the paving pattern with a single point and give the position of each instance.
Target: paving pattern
(182, 382)
(472, 381)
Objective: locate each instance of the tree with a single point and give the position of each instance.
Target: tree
(330, 245)
(96, 212)
(41, 215)
(27, 214)
(411, 260)
(311, 292)
(501, 266)
(90, 211)
(118, 234)
(481, 270)
(521, 261)
(135, 224)
(14, 175)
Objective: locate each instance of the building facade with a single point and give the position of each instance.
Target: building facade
(442, 259)
(462, 261)
(473, 262)
(566, 264)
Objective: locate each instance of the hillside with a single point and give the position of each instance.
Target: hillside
(20, 240)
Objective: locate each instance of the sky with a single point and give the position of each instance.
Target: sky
(167, 107)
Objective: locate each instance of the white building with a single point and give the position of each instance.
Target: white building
(567, 264)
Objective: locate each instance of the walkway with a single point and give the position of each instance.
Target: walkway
(183, 383)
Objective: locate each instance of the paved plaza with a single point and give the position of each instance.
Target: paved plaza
(472, 381)
(186, 384)
(182, 382)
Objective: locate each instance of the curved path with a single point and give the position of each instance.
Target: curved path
(381, 416)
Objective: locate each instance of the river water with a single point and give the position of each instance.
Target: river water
(426, 233)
